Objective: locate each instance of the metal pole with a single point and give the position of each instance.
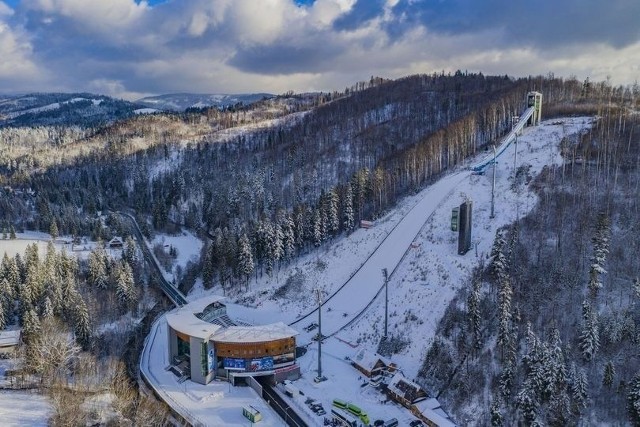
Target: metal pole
(515, 157)
(493, 184)
(386, 301)
(319, 296)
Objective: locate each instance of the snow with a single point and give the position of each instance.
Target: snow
(145, 111)
(23, 408)
(187, 245)
(416, 245)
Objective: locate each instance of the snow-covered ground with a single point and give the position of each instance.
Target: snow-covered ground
(415, 243)
(187, 246)
(24, 408)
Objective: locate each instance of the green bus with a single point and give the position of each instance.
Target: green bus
(251, 413)
(355, 410)
(340, 403)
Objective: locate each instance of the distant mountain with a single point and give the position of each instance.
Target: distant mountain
(182, 101)
(68, 109)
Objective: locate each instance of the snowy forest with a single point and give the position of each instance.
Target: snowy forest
(544, 334)
(547, 332)
(321, 165)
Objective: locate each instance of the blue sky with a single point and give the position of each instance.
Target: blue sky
(130, 49)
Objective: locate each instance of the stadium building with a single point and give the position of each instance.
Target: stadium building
(205, 343)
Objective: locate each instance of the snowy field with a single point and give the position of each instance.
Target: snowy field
(415, 243)
(187, 245)
(23, 408)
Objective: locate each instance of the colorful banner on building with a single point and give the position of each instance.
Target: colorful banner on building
(232, 363)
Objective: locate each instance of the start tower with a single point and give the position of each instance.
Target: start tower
(534, 99)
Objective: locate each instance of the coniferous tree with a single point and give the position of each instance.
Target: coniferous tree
(347, 209)
(600, 250)
(98, 275)
(245, 259)
(497, 419)
(473, 305)
(53, 230)
(590, 336)
(12, 233)
(608, 375)
(579, 389)
(633, 400)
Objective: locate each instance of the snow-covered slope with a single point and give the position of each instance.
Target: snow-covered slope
(415, 243)
(182, 101)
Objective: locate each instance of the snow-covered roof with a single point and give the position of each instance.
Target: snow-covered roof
(368, 360)
(9, 338)
(184, 320)
(432, 411)
(406, 388)
(260, 333)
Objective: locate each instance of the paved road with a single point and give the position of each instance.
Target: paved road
(279, 405)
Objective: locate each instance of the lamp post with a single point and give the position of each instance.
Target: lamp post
(493, 185)
(320, 377)
(386, 301)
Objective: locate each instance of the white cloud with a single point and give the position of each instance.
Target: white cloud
(123, 48)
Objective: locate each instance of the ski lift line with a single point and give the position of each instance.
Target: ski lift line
(506, 142)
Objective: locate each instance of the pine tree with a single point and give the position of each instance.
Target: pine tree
(130, 252)
(125, 285)
(590, 336)
(633, 400)
(600, 250)
(80, 319)
(496, 415)
(608, 375)
(317, 228)
(579, 389)
(3, 314)
(347, 208)
(12, 233)
(30, 325)
(636, 287)
(53, 230)
(98, 275)
(245, 259)
(332, 211)
(473, 305)
(527, 403)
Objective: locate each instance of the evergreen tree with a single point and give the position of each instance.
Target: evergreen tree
(600, 250)
(347, 208)
(590, 336)
(98, 275)
(30, 325)
(527, 403)
(317, 228)
(473, 305)
(53, 230)
(332, 211)
(579, 389)
(636, 287)
(125, 285)
(245, 259)
(12, 233)
(496, 415)
(130, 252)
(608, 375)
(633, 400)
(3, 312)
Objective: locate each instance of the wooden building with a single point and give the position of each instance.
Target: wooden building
(371, 364)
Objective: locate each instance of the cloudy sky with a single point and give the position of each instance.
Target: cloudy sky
(132, 48)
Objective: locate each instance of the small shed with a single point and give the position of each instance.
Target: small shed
(115, 243)
(371, 364)
(9, 340)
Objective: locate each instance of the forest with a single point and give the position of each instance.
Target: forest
(547, 332)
